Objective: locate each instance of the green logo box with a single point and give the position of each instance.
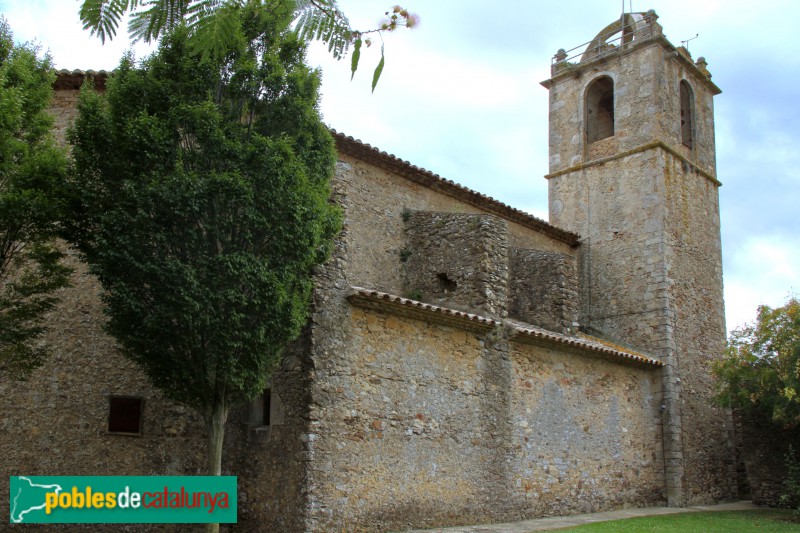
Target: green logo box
(122, 499)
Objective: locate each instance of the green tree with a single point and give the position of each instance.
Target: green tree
(214, 24)
(760, 372)
(200, 199)
(30, 165)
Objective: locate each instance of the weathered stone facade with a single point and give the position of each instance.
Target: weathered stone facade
(544, 289)
(645, 203)
(464, 362)
(457, 260)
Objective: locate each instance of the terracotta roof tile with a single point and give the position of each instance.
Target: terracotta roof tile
(535, 335)
(385, 302)
(73, 79)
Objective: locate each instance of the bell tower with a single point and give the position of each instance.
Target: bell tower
(633, 172)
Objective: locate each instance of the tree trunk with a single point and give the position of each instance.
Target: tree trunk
(216, 435)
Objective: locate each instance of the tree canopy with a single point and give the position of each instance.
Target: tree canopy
(30, 165)
(760, 372)
(200, 198)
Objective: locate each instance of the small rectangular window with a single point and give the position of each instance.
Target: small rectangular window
(262, 413)
(125, 415)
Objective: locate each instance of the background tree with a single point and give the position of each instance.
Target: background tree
(30, 164)
(760, 372)
(214, 24)
(200, 198)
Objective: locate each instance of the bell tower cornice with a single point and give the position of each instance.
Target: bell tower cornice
(619, 39)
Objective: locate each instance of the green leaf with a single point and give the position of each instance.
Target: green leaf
(377, 75)
(355, 58)
(102, 17)
(215, 33)
(323, 21)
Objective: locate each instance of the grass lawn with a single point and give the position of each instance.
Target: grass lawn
(766, 521)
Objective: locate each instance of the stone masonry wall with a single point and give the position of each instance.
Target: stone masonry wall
(544, 289)
(457, 260)
(64, 110)
(272, 464)
(695, 261)
(703, 150)
(56, 422)
(646, 108)
(621, 218)
(387, 422)
(404, 397)
(646, 207)
(425, 425)
(586, 434)
(651, 278)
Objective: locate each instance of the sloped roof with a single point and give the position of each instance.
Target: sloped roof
(530, 334)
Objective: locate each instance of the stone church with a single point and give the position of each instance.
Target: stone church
(465, 362)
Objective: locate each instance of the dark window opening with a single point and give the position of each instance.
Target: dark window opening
(446, 284)
(600, 110)
(267, 401)
(125, 414)
(687, 114)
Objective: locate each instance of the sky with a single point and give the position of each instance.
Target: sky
(460, 96)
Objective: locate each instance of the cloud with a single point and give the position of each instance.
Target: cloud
(56, 27)
(762, 270)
